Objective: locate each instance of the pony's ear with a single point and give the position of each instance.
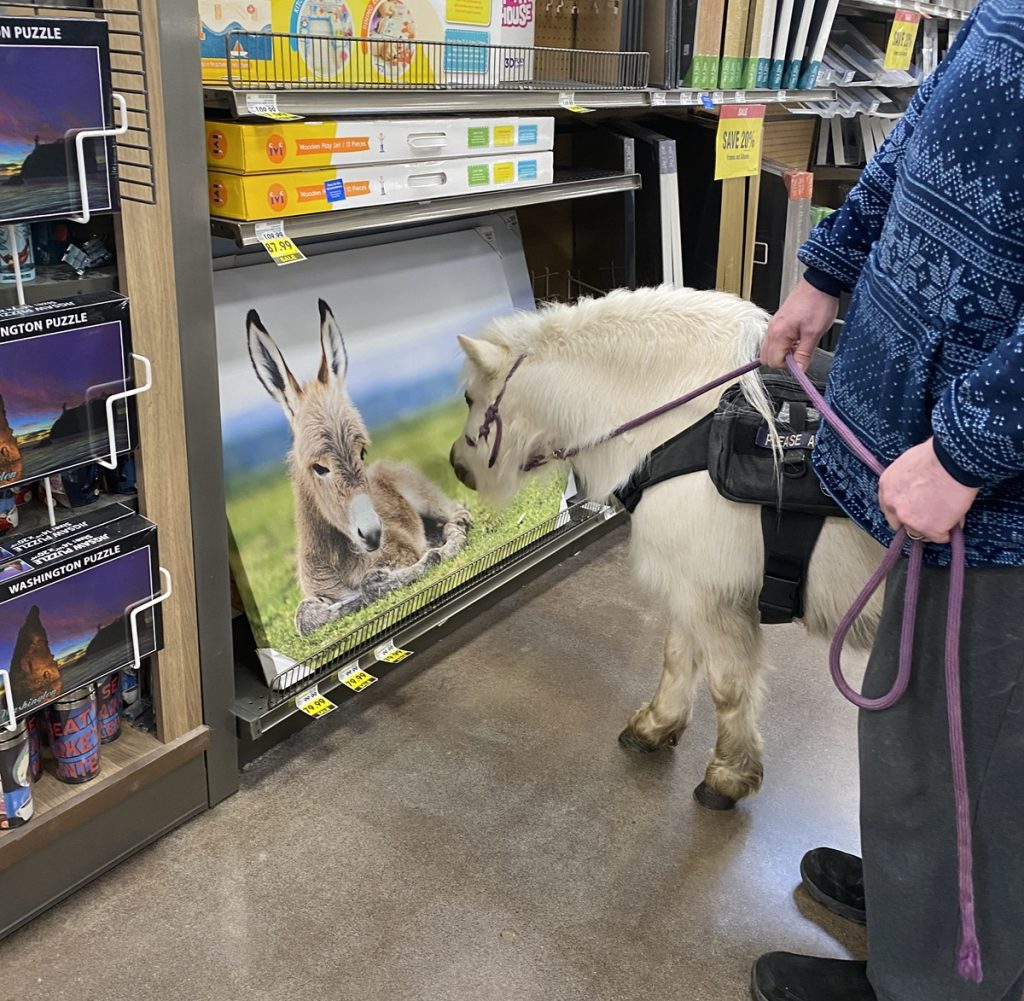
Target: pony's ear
(270, 366)
(334, 363)
(490, 358)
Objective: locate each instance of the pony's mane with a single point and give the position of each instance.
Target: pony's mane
(651, 320)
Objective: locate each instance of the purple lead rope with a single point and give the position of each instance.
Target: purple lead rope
(969, 959)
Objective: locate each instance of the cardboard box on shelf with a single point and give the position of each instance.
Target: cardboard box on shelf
(262, 196)
(249, 148)
(313, 41)
(66, 597)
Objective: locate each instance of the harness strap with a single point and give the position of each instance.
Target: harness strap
(789, 541)
(686, 453)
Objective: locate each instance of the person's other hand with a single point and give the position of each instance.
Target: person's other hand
(802, 321)
(916, 493)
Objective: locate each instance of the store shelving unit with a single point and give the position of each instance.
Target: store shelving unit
(151, 782)
(891, 6)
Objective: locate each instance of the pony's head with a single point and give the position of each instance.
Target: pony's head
(329, 438)
(494, 452)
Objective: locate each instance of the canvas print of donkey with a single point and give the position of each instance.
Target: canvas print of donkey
(340, 395)
(362, 530)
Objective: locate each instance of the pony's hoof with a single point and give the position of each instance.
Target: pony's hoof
(632, 742)
(711, 800)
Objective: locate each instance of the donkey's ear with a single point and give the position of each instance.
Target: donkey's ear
(490, 358)
(334, 364)
(270, 365)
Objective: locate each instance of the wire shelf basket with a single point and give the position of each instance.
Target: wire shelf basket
(129, 77)
(426, 601)
(275, 61)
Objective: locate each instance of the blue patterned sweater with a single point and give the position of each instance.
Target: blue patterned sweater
(931, 242)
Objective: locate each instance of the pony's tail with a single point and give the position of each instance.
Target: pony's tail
(748, 346)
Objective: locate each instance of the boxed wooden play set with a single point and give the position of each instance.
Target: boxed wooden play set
(262, 196)
(250, 148)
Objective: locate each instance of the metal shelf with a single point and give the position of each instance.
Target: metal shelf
(58, 281)
(568, 185)
(325, 103)
(258, 709)
(891, 6)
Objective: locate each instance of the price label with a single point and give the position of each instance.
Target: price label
(312, 703)
(658, 98)
(391, 654)
(278, 244)
(705, 99)
(900, 50)
(686, 97)
(567, 100)
(782, 96)
(738, 143)
(265, 106)
(740, 97)
(356, 679)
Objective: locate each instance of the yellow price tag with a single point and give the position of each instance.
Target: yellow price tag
(278, 244)
(312, 703)
(568, 101)
(900, 50)
(391, 654)
(356, 679)
(738, 144)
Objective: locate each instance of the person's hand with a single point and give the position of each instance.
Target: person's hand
(802, 321)
(916, 493)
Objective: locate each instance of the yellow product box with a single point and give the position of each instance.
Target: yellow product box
(253, 149)
(250, 55)
(250, 197)
(324, 46)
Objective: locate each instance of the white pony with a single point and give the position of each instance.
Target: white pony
(588, 368)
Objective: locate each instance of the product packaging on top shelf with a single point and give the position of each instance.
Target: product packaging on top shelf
(248, 148)
(54, 84)
(263, 196)
(314, 41)
(66, 594)
(59, 363)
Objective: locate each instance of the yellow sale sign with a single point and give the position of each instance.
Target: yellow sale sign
(738, 146)
(900, 50)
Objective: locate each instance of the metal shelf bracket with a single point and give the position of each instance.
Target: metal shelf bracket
(80, 139)
(147, 365)
(159, 599)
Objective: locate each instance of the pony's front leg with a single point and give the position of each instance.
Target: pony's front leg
(733, 652)
(666, 716)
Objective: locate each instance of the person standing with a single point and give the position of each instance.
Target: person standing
(929, 374)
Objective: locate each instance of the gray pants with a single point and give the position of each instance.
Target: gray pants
(908, 829)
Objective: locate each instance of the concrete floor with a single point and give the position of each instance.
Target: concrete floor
(472, 832)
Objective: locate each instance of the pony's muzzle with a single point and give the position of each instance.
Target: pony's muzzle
(366, 523)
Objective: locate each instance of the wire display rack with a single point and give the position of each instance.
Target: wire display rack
(129, 77)
(426, 601)
(276, 61)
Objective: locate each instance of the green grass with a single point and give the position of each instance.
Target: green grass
(262, 522)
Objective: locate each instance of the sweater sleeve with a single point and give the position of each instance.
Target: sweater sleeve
(839, 245)
(978, 422)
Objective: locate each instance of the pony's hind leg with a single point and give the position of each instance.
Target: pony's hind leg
(664, 718)
(733, 655)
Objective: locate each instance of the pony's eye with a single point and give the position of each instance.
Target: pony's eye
(362, 453)
(469, 400)
(320, 470)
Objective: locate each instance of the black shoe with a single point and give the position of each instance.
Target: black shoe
(836, 881)
(781, 976)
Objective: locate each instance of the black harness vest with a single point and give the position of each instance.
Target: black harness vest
(732, 446)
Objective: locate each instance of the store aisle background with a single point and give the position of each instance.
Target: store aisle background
(471, 831)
